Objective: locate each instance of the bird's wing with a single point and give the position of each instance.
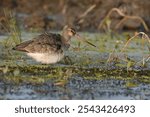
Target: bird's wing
(47, 42)
(22, 46)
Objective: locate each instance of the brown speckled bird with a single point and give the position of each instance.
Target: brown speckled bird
(49, 48)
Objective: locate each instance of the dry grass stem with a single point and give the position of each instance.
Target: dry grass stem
(83, 15)
(125, 18)
(144, 36)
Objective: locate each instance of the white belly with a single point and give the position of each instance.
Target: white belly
(46, 58)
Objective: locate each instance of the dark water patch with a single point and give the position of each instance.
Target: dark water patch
(76, 88)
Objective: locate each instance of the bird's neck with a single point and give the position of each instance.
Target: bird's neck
(66, 38)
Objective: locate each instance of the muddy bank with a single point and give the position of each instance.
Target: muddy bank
(52, 14)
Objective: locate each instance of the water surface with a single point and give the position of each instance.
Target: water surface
(84, 73)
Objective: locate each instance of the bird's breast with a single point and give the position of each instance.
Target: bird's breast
(66, 46)
(46, 58)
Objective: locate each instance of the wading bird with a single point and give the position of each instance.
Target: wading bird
(49, 48)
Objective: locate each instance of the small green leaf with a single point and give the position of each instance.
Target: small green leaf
(129, 64)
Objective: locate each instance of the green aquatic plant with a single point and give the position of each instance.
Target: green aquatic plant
(120, 51)
(144, 38)
(131, 84)
(130, 63)
(12, 28)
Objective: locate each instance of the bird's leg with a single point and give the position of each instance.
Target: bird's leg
(67, 60)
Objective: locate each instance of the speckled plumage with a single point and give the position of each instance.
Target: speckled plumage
(47, 42)
(47, 47)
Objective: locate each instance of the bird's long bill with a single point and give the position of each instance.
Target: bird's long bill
(84, 40)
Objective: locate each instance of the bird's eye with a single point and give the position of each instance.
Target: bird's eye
(73, 31)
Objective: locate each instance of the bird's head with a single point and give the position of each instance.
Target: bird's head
(67, 31)
(70, 32)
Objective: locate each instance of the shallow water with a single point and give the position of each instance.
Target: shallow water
(83, 74)
(76, 88)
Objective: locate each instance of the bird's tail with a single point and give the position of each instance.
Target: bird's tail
(18, 48)
(22, 46)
